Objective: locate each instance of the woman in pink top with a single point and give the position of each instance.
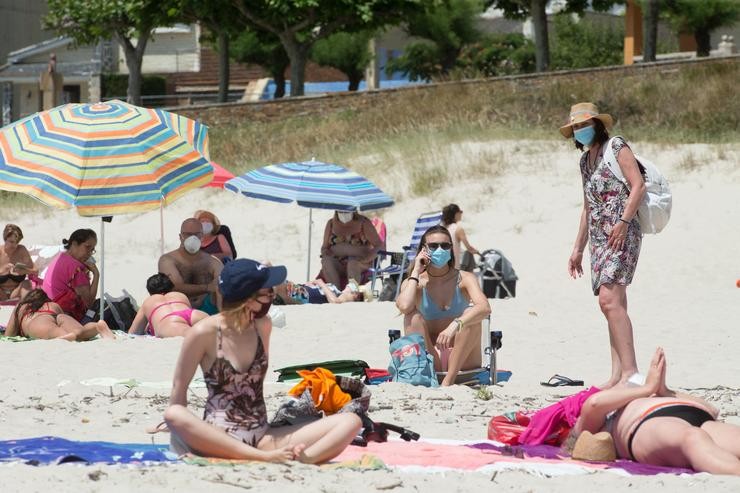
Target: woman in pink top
(67, 281)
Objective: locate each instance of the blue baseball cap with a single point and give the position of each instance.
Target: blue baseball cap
(243, 277)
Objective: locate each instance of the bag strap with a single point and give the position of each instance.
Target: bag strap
(611, 161)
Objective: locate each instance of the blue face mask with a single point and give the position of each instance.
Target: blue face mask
(440, 257)
(585, 135)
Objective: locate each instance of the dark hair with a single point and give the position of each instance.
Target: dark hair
(449, 212)
(423, 243)
(35, 299)
(601, 134)
(159, 284)
(79, 236)
(12, 229)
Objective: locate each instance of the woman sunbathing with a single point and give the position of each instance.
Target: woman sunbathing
(165, 313)
(655, 425)
(232, 349)
(15, 265)
(317, 292)
(37, 317)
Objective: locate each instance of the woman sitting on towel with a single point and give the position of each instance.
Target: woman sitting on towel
(317, 292)
(443, 304)
(15, 265)
(67, 281)
(232, 349)
(165, 313)
(37, 317)
(655, 425)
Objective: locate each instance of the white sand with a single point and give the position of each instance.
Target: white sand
(683, 298)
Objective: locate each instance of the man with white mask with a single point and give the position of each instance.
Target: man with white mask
(193, 272)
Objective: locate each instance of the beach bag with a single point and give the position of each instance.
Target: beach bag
(655, 210)
(341, 367)
(411, 363)
(119, 311)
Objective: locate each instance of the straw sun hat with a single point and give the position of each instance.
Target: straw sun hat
(598, 447)
(581, 112)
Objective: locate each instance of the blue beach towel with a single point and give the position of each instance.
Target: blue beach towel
(55, 450)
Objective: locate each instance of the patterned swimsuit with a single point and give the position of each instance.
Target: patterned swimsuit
(607, 196)
(236, 402)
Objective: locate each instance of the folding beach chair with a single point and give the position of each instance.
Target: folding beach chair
(399, 261)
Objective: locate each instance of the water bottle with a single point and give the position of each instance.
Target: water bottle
(393, 334)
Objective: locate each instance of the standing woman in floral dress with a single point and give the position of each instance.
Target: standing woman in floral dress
(609, 224)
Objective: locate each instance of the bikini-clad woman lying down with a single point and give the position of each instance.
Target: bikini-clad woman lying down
(37, 317)
(165, 313)
(655, 425)
(232, 348)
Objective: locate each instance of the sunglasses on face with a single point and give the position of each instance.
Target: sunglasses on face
(445, 245)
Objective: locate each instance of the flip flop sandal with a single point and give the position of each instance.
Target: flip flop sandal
(562, 381)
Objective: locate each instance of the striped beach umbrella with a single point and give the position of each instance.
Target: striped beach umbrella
(104, 159)
(312, 184)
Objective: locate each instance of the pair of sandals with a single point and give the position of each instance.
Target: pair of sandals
(562, 381)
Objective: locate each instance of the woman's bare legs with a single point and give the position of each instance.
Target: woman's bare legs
(668, 441)
(22, 289)
(331, 267)
(466, 353)
(613, 304)
(725, 435)
(355, 268)
(414, 323)
(84, 332)
(324, 439)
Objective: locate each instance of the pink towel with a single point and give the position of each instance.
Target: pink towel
(553, 418)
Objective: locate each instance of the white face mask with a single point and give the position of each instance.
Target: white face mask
(345, 217)
(207, 228)
(192, 244)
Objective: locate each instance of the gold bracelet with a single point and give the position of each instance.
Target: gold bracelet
(460, 324)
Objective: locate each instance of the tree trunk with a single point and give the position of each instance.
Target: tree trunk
(279, 79)
(650, 31)
(298, 55)
(223, 67)
(134, 56)
(541, 42)
(354, 80)
(703, 42)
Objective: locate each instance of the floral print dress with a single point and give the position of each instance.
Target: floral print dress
(606, 197)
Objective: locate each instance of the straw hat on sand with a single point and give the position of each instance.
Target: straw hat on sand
(598, 447)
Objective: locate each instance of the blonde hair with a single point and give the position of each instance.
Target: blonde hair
(234, 314)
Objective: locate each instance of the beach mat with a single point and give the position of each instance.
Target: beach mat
(49, 450)
(429, 455)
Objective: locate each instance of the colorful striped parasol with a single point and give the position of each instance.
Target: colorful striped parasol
(105, 158)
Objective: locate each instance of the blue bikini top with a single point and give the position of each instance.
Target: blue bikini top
(430, 311)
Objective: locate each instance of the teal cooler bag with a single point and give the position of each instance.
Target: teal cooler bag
(411, 363)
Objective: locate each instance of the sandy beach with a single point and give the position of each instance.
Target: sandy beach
(527, 204)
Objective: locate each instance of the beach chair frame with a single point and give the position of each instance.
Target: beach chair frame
(399, 261)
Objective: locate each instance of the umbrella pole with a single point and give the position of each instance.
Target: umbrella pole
(308, 263)
(161, 228)
(102, 267)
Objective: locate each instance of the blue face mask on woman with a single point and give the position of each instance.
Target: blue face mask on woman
(440, 257)
(585, 135)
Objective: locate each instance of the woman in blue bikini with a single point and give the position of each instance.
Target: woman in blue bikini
(443, 304)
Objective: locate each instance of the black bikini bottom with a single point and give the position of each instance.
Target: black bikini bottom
(692, 415)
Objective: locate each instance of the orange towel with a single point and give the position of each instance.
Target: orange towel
(326, 394)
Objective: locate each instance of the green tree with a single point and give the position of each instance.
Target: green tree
(651, 13)
(701, 18)
(299, 24)
(444, 30)
(585, 44)
(263, 49)
(536, 9)
(219, 18)
(87, 21)
(347, 52)
(496, 54)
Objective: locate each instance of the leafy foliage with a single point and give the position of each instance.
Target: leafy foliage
(263, 49)
(347, 52)
(701, 17)
(496, 54)
(585, 43)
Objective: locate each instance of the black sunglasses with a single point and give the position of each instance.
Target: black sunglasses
(445, 245)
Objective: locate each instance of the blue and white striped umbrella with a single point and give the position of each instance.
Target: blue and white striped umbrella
(311, 184)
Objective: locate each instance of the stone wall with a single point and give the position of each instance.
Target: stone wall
(263, 111)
